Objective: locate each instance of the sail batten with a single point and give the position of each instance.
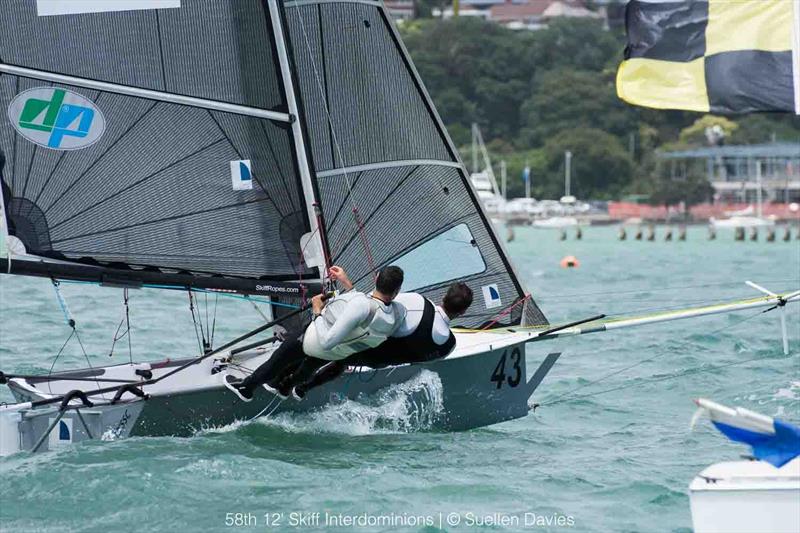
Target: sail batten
(160, 96)
(386, 164)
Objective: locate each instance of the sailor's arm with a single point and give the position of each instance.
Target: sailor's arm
(356, 312)
(337, 273)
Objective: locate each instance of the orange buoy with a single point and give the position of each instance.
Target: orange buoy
(570, 261)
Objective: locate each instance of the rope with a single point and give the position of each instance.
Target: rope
(264, 410)
(506, 311)
(569, 395)
(690, 372)
(364, 240)
(63, 304)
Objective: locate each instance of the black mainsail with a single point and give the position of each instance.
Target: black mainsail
(190, 100)
(239, 146)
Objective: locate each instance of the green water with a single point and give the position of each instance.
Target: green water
(616, 461)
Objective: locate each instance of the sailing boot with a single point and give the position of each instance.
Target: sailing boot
(282, 390)
(238, 387)
(299, 393)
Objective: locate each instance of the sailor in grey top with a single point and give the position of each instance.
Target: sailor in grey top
(423, 336)
(346, 324)
(351, 323)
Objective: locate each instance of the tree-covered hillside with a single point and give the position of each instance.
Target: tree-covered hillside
(536, 94)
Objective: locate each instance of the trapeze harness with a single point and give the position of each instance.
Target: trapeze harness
(418, 347)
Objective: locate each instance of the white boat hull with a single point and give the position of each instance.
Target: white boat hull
(742, 222)
(746, 497)
(556, 222)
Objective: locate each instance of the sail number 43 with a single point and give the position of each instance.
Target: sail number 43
(511, 376)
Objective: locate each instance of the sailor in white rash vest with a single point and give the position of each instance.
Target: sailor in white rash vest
(423, 336)
(349, 323)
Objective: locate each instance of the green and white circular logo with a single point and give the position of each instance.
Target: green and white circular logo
(56, 118)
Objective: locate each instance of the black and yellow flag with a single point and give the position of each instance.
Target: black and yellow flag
(719, 56)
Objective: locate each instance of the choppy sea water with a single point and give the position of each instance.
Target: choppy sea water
(617, 458)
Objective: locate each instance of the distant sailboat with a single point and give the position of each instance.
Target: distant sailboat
(568, 203)
(748, 217)
(483, 179)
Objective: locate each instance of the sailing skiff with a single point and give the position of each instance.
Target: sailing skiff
(244, 147)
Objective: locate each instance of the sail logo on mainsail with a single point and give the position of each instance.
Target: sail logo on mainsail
(56, 118)
(491, 296)
(241, 175)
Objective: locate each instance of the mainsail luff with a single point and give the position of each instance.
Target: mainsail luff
(238, 108)
(304, 161)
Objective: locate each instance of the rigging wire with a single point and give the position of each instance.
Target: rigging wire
(570, 395)
(214, 323)
(70, 321)
(197, 332)
(643, 310)
(127, 333)
(582, 295)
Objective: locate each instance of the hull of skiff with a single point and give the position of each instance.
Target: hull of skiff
(453, 394)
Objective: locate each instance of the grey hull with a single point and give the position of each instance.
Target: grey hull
(469, 396)
(453, 394)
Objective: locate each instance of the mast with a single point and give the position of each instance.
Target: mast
(3, 228)
(301, 152)
(487, 162)
(796, 56)
(759, 199)
(503, 179)
(567, 172)
(474, 148)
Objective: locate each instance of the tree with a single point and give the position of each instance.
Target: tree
(570, 99)
(694, 189)
(601, 165)
(470, 60)
(577, 43)
(696, 134)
